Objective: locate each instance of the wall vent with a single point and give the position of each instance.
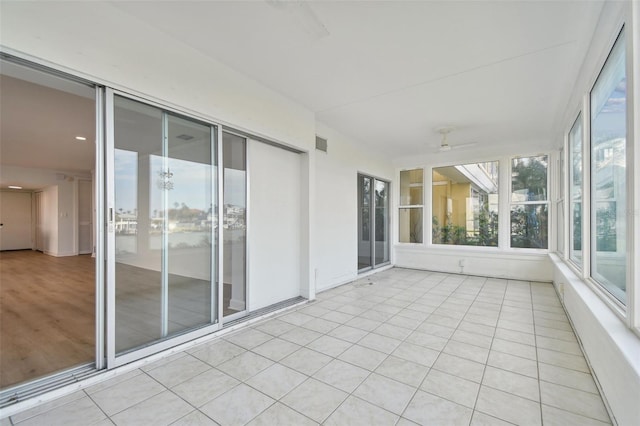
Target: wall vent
(321, 144)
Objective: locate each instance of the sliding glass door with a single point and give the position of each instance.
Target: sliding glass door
(373, 223)
(162, 215)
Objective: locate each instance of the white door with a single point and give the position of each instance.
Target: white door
(39, 212)
(85, 225)
(15, 220)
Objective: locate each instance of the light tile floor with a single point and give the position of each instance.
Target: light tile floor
(401, 347)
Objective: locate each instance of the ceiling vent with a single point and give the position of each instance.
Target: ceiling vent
(184, 137)
(321, 144)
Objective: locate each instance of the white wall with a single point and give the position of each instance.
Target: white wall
(274, 225)
(61, 215)
(336, 202)
(99, 41)
(49, 203)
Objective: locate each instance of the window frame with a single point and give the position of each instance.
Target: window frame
(577, 263)
(421, 207)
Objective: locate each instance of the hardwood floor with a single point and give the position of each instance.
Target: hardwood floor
(47, 314)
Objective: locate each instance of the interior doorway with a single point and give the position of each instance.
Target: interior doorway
(47, 156)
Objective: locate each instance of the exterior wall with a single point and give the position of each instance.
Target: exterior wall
(336, 215)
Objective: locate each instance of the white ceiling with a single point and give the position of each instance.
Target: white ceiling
(39, 124)
(390, 73)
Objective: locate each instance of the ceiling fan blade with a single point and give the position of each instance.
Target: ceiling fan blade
(464, 145)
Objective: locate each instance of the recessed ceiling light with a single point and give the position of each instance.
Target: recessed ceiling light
(81, 138)
(14, 187)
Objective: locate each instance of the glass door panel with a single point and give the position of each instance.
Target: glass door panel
(189, 190)
(164, 187)
(381, 222)
(364, 223)
(234, 224)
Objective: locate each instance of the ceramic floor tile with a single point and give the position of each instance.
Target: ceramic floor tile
(356, 412)
(113, 381)
(195, 418)
(472, 338)
(513, 348)
(465, 350)
(329, 345)
(280, 414)
(314, 310)
(436, 330)
(559, 359)
(559, 345)
(405, 322)
(566, 377)
(427, 340)
(452, 388)
(522, 327)
(480, 329)
(205, 387)
(403, 371)
(417, 354)
(555, 333)
(161, 409)
(428, 409)
(127, 394)
(245, 366)
(276, 349)
(276, 381)
(296, 318)
(249, 338)
(300, 336)
(217, 352)
(80, 412)
(555, 417)
(573, 400)
(385, 393)
(237, 406)
(306, 361)
(338, 317)
(363, 324)
(342, 375)
(516, 336)
(350, 334)
(315, 399)
(320, 325)
(517, 384)
(460, 367)
(366, 358)
(513, 363)
(274, 327)
(481, 419)
(162, 361)
(379, 343)
(508, 407)
(178, 371)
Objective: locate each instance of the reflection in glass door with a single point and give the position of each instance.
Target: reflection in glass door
(373, 223)
(161, 225)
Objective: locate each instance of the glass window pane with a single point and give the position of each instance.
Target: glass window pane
(529, 226)
(529, 179)
(575, 191)
(411, 187)
(608, 174)
(411, 225)
(465, 204)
